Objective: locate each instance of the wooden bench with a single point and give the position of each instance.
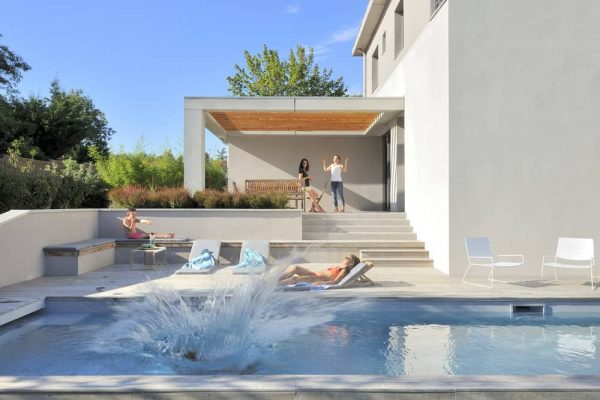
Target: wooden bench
(78, 257)
(291, 187)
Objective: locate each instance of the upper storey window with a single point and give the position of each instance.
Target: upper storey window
(435, 6)
(375, 70)
(399, 28)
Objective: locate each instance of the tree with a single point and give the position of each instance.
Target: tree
(63, 124)
(11, 68)
(268, 75)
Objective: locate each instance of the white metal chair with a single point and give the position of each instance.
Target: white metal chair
(479, 254)
(572, 253)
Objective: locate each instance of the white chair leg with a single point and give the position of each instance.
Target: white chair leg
(555, 274)
(542, 274)
(465, 274)
(592, 276)
(491, 276)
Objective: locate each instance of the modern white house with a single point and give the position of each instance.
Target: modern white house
(480, 118)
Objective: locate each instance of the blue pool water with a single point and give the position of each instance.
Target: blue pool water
(301, 334)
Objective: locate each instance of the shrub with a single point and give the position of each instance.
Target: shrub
(59, 185)
(220, 199)
(174, 197)
(154, 171)
(129, 196)
(140, 197)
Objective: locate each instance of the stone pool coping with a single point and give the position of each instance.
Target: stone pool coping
(282, 386)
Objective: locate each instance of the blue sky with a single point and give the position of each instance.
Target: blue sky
(137, 59)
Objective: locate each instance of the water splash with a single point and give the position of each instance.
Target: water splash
(231, 328)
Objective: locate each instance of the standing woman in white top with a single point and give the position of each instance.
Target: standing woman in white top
(337, 185)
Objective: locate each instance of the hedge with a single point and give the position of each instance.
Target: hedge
(178, 197)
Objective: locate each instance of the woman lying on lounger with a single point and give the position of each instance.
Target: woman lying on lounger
(329, 276)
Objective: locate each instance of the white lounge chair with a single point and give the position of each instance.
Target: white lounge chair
(479, 254)
(572, 253)
(198, 246)
(262, 247)
(355, 278)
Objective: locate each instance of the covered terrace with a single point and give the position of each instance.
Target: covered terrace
(268, 136)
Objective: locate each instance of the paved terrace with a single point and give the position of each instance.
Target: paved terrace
(119, 281)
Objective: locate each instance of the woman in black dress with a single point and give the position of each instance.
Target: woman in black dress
(305, 180)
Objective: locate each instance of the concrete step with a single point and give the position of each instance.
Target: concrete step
(354, 221)
(355, 228)
(359, 236)
(355, 215)
(401, 262)
(393, 253)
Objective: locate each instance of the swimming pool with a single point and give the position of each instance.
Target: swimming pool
(305, 334)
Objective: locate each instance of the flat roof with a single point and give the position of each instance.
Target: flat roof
(296, 115)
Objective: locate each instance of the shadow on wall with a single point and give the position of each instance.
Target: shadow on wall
(278, 157)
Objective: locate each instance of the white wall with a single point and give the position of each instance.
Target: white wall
(220, 224)
(416, 17)
(23, 235)
(422, 77)
(524, 124)
(278, 157)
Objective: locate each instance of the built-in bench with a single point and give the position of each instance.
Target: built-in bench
(291, 187)
(78, 257)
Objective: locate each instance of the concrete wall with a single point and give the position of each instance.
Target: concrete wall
(278, 157)
(23, 235)
(422, 77)
(210, 224)
(524, 125)
(416, 17)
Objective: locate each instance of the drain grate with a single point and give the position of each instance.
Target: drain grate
(528, 309)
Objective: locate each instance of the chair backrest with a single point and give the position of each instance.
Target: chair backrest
(478, 247)
(575, 249)
(355, 273)
(263, 247)
(214, 246)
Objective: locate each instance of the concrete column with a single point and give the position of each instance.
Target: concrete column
(396, 191)
(194, 149)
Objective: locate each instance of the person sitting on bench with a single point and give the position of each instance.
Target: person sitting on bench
(329, 276)
(130, 226)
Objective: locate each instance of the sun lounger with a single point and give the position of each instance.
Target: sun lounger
(355, 278)
(259, 247)
(198, 247)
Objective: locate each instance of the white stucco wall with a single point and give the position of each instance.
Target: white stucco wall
(524, 125)
(278, 157)
(416, 17)
(23, 235)
(422, 77)
(219, 224)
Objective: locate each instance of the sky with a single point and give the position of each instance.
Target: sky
(137, 59)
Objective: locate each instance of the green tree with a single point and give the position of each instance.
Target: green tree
(12, 67)
(65, 124)
(155, 171)
(267, 75)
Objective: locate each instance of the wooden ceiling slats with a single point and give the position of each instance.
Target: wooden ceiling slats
(294, 121)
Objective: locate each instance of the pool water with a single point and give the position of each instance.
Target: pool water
(365, 337)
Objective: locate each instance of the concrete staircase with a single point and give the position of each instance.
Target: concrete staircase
(385, 238)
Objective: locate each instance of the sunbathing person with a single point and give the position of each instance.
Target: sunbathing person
(329, 276)
(130, 226)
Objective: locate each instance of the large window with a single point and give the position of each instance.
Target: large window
(375, 70)
(399, 28)
(435, 6)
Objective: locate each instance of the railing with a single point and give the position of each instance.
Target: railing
(435, 6)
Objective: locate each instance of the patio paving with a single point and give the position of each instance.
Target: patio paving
(119, 281)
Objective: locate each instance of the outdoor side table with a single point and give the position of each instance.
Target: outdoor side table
(148, 256)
